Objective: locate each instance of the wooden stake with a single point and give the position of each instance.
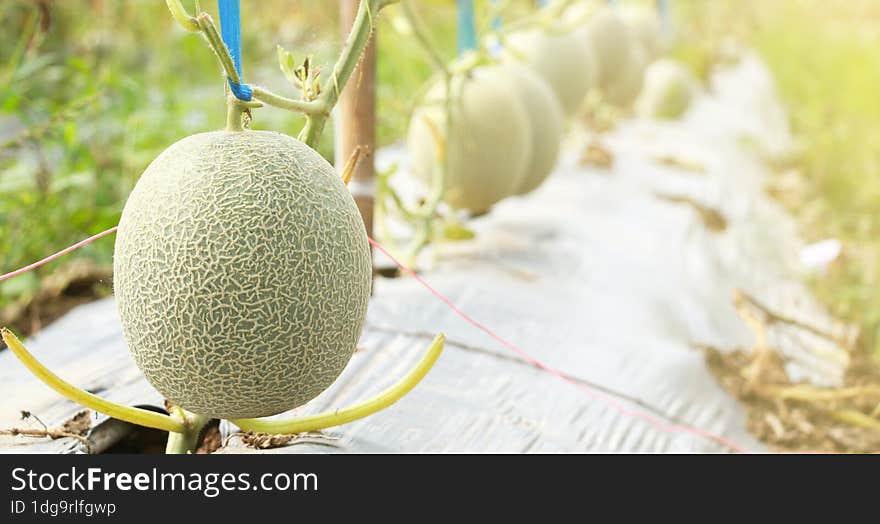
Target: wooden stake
(356, 121)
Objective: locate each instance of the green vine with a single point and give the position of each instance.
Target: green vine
(423, 218)
(317, 111)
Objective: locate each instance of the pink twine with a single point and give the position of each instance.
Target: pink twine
(666, 428)
(653, 421)
(59, 254)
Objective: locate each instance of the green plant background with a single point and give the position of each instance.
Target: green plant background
(825, 56)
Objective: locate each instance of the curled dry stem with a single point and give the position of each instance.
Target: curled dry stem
(809, 393)
(856, 418)
(48, 433)
(141, 417)
(741, 298)
(350, 414)
(351, 164)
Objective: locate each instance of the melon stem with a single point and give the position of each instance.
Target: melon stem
(141, 417)
(234, 112)
(181, 16)
(186, 441)
(362, 30)
(350, 414)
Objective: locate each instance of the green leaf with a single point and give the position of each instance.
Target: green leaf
(456, 231)
(287, 64)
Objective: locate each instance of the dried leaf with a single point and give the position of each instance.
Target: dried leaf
(78, 424)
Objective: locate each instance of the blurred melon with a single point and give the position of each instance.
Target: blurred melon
(644, 23)
(490, 143)
(560, 58)
(618, 52)
(546, 119)
(580, 12)
(625, 88)
(669, 90)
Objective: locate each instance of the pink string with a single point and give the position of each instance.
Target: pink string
(614, 403)
(57, 255)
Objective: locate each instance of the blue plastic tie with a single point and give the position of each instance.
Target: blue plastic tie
(543, 3)
(665, 16)
(467, 26)
(497, 23)
(230, 31)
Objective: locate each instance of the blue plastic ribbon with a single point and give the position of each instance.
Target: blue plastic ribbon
(497, 24)
(543, 3)
(230, 31)
(665, 16)
(467, 26)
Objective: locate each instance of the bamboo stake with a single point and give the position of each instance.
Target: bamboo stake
(357, 121)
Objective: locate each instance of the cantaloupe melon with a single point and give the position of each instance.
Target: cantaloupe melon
(242, 274)
(669, 89)
(625, 89)
(645, 25)
(560, 58)
(621, 61)
(490, 144)
(546, 119)
(577, 14)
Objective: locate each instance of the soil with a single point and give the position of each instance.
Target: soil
(76, 283)
(212, 440)
(147, 441)
(79, 424)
